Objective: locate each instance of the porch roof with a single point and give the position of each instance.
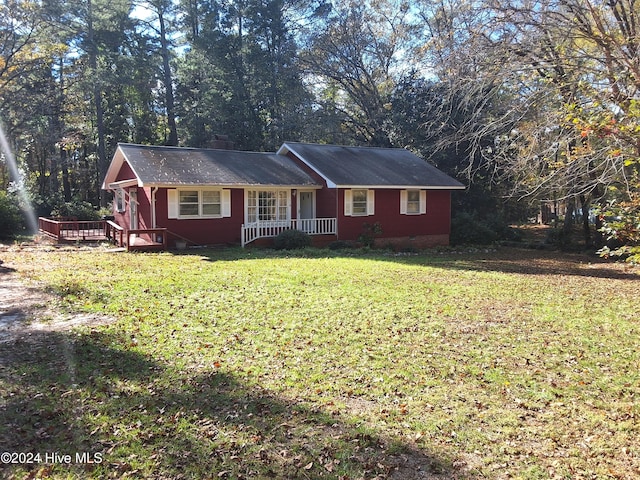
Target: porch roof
(349, 167)
(178, 166)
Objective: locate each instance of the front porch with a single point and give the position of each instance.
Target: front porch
(312, 226)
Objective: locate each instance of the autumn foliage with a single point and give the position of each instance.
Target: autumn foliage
(621, 224)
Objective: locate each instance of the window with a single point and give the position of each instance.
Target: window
(268, 206)
(199, 203)
(189, 203)
(119, 200)
(413, 202)
(359, 202)
(211, 205)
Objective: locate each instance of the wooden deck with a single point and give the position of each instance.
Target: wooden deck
(147, 239)
(69, 230)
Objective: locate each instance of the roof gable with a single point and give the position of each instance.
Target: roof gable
(343, 166)
(176, 166)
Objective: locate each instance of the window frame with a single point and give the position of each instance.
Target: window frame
(183, 204)
(369, 202)
(360, 203)
(267, 206)
(175, 203)
(119, 200)
(405, 202)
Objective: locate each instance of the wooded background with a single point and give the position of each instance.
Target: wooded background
(526, 101)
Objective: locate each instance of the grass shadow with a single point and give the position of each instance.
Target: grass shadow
(504, 260)
(252, 433)
(46, 385)
(6, 270)
(540, 262)
(74, 393)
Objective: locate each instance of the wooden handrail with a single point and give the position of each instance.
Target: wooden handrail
(117, 230)
(114, 225)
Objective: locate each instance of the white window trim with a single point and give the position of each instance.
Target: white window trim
(404, 202)
(348, 203)
(173, 200)
(119, 200)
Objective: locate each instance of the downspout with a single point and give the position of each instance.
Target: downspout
(153, 207)
(337, 211)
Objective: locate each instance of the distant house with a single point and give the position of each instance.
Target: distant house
(210, 197)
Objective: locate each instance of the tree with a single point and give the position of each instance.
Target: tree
(584, 57)
(455, 133)
(358, 56)
(240, 76)
(29, 100)
(621, 225)
(164, 12)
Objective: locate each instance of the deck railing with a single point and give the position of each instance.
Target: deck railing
(312, 226)
(66, 230)
(72, 230)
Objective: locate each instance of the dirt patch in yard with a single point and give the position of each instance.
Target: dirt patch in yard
(28, 310)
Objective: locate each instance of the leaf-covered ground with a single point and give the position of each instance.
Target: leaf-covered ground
(256, 364)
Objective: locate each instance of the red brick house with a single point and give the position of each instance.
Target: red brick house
(210, 197)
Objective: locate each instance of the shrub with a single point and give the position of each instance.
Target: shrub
(621, 225)
(76, 209)
(291, 240)
(469, 229)
(11, 218)
(369, 233)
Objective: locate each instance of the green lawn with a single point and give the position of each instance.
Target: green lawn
(338, 365)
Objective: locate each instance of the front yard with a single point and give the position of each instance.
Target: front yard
(257, 364)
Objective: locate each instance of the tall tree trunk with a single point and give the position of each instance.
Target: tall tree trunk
(168, 82)
(66, 184)
(60, 128)
(103, 164)
(567, 226)
(586, 228)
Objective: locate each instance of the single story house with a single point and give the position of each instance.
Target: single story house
(214, 196)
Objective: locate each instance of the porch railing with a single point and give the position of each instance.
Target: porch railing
(65, 230)
(312, 226)
(71, 230)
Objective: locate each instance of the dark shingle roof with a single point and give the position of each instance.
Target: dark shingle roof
(370, 166)
(170, 166)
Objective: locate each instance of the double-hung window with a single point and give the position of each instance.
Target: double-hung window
(211, 203)
(199, 203)
(413, 202)
(189, 203)
(359, 202)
